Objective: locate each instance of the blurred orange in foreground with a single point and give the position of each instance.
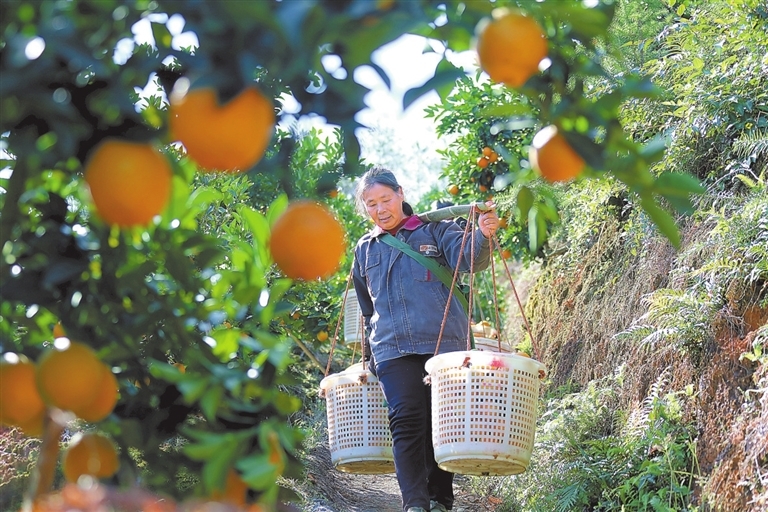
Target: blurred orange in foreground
(95, 497)
(510, 47)
(553, 157)
(307, 241)
(20, 402)
(225, 137)
(129, 182)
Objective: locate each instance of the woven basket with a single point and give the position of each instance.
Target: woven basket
(484, 409)
(358, 426)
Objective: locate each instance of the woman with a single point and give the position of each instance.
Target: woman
(403, 305)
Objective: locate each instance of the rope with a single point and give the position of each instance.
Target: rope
(495, 297)
(534, 343)
(338, 324)
(453, 284)
(471, 222)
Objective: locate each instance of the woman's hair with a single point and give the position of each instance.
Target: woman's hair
(377, 176)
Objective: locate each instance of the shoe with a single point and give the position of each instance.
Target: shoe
(437, 507)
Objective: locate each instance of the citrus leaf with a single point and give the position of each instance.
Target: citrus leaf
(210, 401)
(524, 202)
(662, 219)
(443, 81)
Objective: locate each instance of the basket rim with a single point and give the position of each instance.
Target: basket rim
(457, 359)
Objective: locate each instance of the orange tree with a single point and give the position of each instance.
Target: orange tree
(191, 281)
(580, 94)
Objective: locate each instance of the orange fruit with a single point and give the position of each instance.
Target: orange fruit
(493, 157)
(333, 193)
(553, 157)
(453, 190)
(234, 492)
(487, 152)
(307, 241)
(20, 401)
(130, 182)
(58, 331)
(104, 401)
(34, 427)
(90, 454)
(69, 375)
(322, 336)
(230, 137)
(482, 162)
(510, 47)
(503, 223)
(180, 367)
(506, 254)
(482, 188)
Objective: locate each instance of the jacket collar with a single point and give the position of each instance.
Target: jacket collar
(410, 224)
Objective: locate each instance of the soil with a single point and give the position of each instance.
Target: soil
(328, 490)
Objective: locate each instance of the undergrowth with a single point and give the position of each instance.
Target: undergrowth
(589, 457)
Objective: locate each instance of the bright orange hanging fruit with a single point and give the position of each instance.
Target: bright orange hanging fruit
(510, 47)
(222, 137)
(552, 156)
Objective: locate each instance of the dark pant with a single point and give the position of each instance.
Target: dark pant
(410, 420)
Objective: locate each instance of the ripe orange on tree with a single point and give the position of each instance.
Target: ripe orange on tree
(234, 492)
(493, 157)
(487, 152)
(130, 182)
(483, 162)
(553, 157)
(69, 375)
(506, 254)
(90, 454)
(510, 47)
(453, 189)
(58, 331)
(104, 401)
(226, 137)
(322, 336)
(307, 241)
(20, 402)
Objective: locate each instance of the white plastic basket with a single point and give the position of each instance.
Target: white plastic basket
(353, 322)
(484, 409)
(358, 426)
(491, 345)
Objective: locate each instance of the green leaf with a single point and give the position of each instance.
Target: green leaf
(192, 388)
(533, 230)
(662, 219)
(443, 81)
(678, 184)
(257, 471)
(226, 342)
(524, 203)
(277, 208)
(210, 402)
(161, 34)
(257, 223)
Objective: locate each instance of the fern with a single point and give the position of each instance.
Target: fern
(567, 497)
(752, 144)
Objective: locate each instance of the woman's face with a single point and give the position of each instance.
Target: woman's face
(384, 205)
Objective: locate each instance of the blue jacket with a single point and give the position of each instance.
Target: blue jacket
(401, 301)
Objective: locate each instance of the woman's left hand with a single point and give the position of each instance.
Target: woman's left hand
(488, 221)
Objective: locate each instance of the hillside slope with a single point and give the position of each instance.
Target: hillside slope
(692, 321)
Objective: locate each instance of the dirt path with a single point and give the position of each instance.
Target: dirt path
(329, 490)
